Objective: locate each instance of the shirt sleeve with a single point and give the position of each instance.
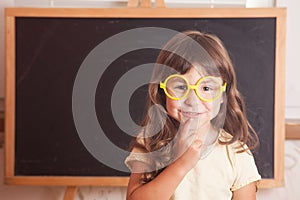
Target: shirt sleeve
(245, 170)
(137, 155)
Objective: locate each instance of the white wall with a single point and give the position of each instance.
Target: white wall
(292, 153)
(292, 60)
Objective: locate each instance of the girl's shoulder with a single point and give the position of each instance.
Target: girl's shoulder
(138, 155)
(236, 146)
(138, 152)
(241, 161)
(237, 152)
(224, 136)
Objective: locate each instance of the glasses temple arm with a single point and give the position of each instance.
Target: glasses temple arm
(162, 85)
(224, 87)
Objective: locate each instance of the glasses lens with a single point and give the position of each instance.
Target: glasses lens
(176, 87)
(209, 88)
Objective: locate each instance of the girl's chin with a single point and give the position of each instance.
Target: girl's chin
(183, 119)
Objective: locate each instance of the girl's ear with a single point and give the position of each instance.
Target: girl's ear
(223, 96)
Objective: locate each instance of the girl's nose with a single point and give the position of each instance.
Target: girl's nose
(192, 99)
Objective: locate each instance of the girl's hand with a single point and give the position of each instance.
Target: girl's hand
(188, 145)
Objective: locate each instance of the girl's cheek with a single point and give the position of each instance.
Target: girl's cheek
(173, 108)
(215, 109)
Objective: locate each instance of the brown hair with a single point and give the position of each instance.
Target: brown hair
(235, 123)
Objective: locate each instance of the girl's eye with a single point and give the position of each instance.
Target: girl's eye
(181, 87)
(206, 88)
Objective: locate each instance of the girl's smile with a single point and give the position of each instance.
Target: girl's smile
(190, 114)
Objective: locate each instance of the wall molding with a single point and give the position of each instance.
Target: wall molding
(292, 129)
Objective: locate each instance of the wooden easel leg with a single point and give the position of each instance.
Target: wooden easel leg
(133, 3)
(160, 4)
(70, 192)
(145, 3)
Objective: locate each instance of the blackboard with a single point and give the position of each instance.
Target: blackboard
(49, 50)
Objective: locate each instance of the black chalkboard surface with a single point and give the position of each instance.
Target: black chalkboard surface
(49, 51)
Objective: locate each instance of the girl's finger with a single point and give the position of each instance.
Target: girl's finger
(185, 128)
(198, 144)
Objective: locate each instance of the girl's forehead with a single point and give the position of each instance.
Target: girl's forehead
(205, 69)
(193, 73)
(196, 74)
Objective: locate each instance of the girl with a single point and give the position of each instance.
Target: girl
(201, 150)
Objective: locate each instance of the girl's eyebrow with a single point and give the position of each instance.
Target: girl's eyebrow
(209, 81)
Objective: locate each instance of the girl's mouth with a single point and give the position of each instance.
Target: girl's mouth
(190, 114)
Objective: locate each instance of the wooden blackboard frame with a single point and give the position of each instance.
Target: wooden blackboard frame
(12, 13)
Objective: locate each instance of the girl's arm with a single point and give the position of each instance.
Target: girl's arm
(160, 188)
(164, 185)
(247, 192)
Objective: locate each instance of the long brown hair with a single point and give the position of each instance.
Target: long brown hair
(235, 123)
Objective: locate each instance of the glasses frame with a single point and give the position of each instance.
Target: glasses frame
(193, 87)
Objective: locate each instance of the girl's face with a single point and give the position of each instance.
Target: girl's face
(191, 106)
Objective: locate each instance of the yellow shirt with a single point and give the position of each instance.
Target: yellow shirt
(216, 174)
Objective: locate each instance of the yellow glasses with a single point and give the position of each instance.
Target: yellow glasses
(208, 88)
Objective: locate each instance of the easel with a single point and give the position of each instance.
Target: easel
(72, 190)
(145, 3)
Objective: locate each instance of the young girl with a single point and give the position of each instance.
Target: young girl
(201, 150)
